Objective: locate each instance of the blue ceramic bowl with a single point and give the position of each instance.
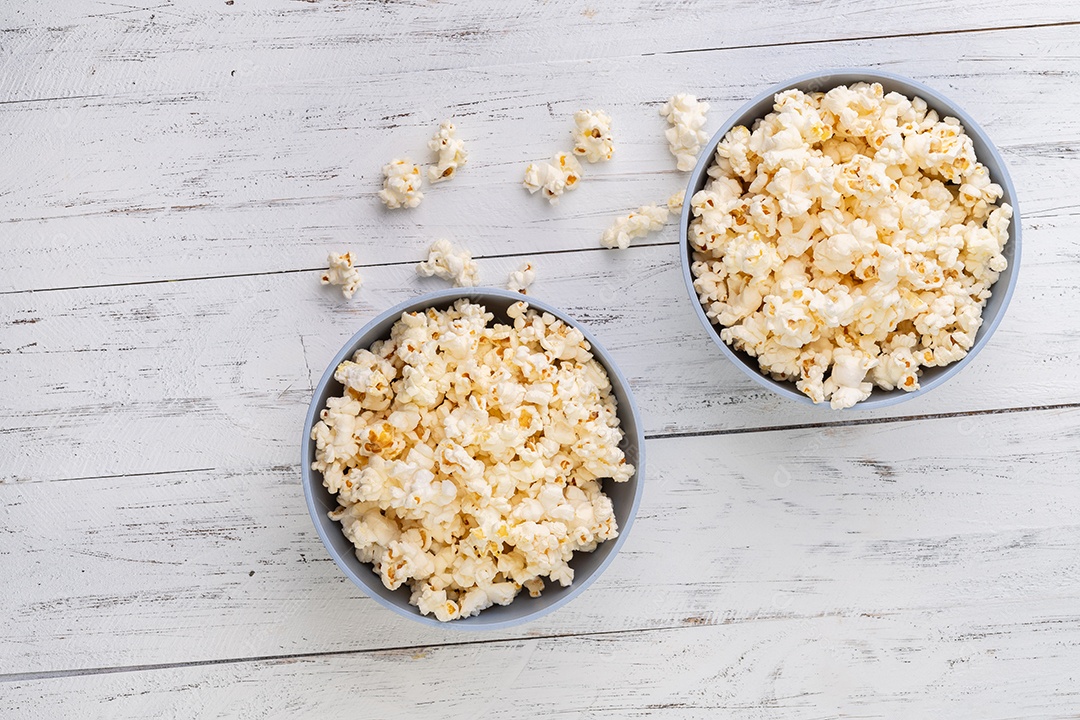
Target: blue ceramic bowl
(625, 497)
(984, 150)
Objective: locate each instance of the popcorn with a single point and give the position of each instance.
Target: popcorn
(342, 272)
(685, 136)
(675, 202)
(468, 457)
(553, 178)
(450, 263)
(849, 240)
(401, 184)
(521, 279)
(592, 135)
(450, 152)
(846, 385)
(646, 219)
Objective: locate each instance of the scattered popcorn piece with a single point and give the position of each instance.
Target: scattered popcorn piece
(450, 152)
(592, 135)
(647, 218)
(521, 279)
(685, 136)
(450, 263)
(675, 202)
(553, 178)
(468, 457)
(342, 273)
(848, 240)
(401, 184)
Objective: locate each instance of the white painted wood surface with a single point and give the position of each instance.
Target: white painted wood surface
(174, 175)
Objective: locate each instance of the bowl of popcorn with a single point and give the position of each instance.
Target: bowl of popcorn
(473, 457)
(851, 238)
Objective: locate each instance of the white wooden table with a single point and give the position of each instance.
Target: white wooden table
(174, 175)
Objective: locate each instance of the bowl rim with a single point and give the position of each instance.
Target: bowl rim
(935, 98)
(441, 297)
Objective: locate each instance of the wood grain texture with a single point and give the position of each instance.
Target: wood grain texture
(974, 662)
(217, 373)
(96, 48)
(952, 523)
(266, 173)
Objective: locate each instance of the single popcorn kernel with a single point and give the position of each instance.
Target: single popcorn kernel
(685, 136)
(450, 153)
(341, 272)
(450, 263)
(592, 135)
(401, 184)
(490, 443)
(521, 280)
(675, 202)
(848, 240)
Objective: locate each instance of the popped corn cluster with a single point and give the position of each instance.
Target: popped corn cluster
(592, 140)
(467, 457)
(401, 184)
(685, 136)
(850, 239)
(521, 279)
(341, 272)
(450, 263)
(592, 135)
(449, 151)
(646, 219)
(553, 178)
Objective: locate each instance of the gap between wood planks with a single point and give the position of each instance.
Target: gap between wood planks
(686, 623)
(863, 38)
(866, 421)
(689, 622)
(186, 471)
(676, 435)
(52, 99)
(58, 674)
(196, 278)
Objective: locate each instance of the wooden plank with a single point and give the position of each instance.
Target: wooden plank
(960, 530)
(90, 48)
(1002, 660)
(240, 175)
(217, 373)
